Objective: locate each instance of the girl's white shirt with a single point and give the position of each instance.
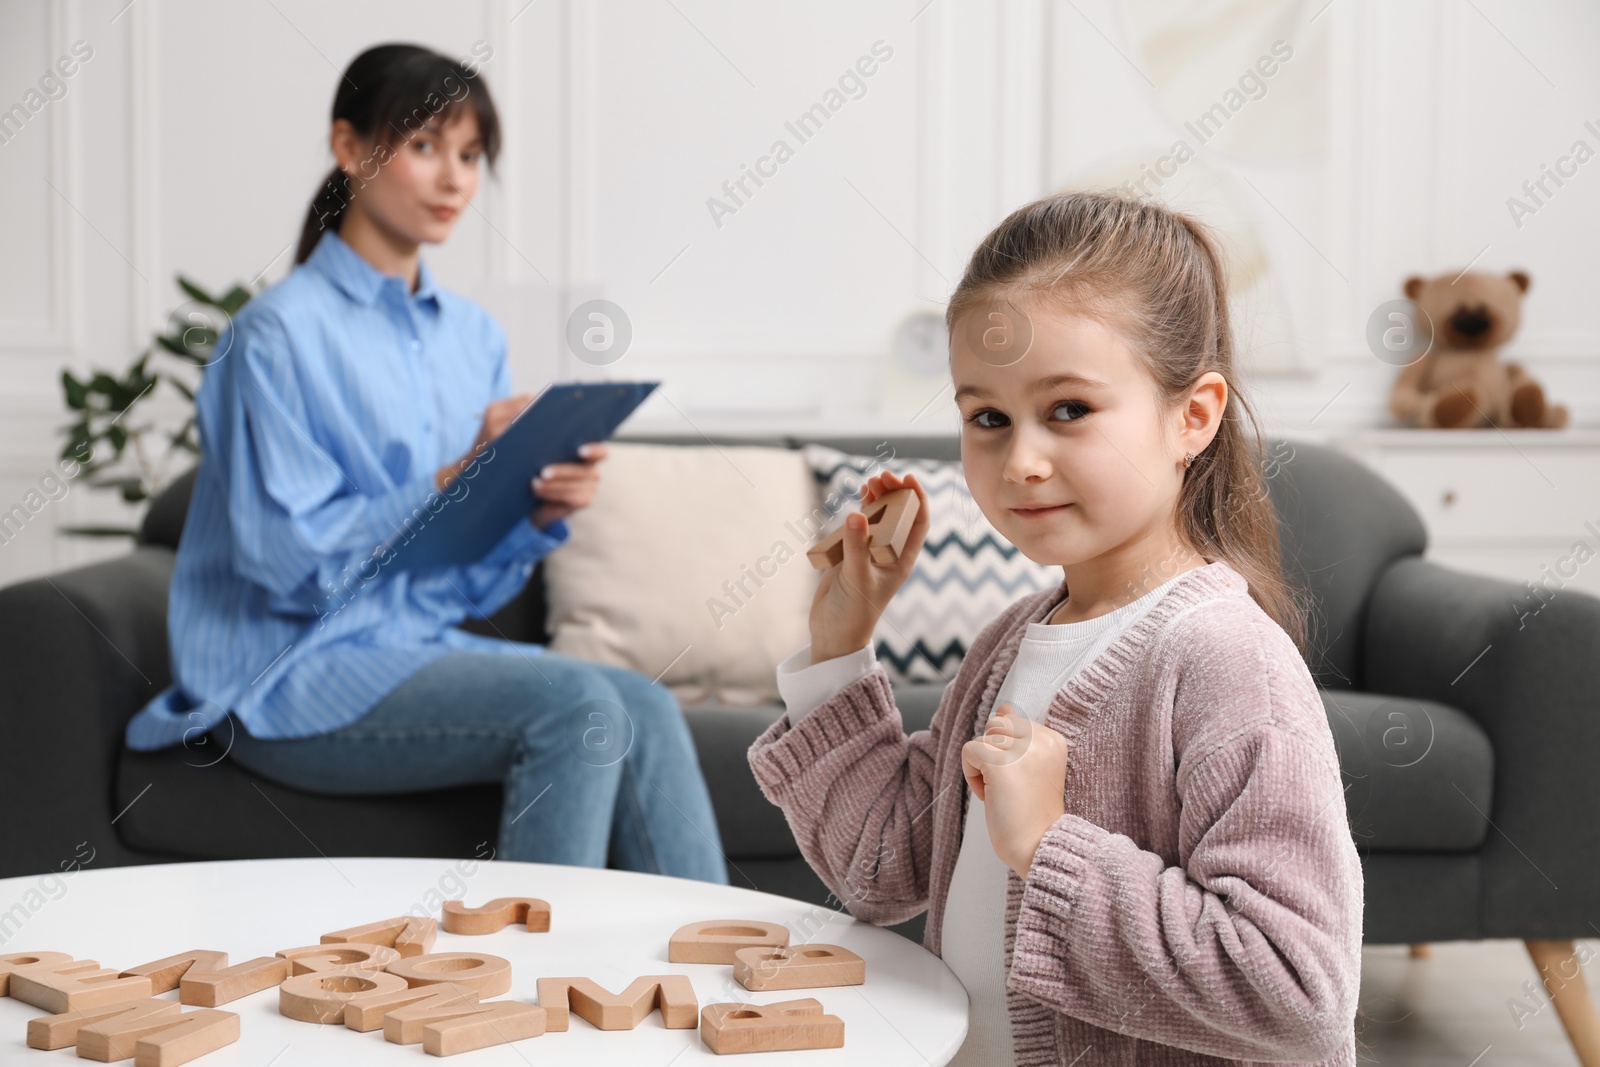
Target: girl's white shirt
(973, 938)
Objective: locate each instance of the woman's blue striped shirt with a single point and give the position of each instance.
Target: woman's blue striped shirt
(330, 402)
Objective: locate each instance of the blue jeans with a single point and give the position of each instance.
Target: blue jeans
(596, 761)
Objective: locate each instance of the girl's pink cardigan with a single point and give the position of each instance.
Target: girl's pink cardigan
(1201, 899)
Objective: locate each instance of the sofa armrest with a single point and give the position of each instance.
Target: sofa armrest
(84, 650)
(1528, 671)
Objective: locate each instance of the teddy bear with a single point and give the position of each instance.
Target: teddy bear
(1460, 382)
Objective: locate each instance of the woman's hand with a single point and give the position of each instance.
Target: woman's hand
(853, 593)
(563, 488)
(496, 417)
(1018, 768)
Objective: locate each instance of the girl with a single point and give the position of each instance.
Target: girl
(1126, 822)
(332, 418)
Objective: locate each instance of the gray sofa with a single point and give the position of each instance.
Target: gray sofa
(1468, 734)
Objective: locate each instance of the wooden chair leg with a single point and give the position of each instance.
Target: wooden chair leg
(1421, 951)
(1562, 976)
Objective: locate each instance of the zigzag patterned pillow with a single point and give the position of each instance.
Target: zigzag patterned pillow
(965, 575)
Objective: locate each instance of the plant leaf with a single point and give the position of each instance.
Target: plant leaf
(236, 298)
(195, 291)
(77, 395)
(77, 445)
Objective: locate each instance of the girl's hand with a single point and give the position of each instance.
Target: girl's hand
(563, 488)
(853, 593)
(1018, 768)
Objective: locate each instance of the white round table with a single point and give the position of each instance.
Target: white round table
(611, 926)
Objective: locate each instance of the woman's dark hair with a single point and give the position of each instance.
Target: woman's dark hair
(388, 93)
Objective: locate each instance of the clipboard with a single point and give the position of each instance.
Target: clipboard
(460, 525)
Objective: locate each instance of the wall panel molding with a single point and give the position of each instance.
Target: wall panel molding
(57, 331)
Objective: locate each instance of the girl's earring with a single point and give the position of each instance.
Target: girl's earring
(1188, 459)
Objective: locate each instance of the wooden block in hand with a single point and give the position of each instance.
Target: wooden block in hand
(889, 520)
(530, 912)
(798, 967)
(409, 935)
(604, 1010)
(781, 1027)
(716, 940)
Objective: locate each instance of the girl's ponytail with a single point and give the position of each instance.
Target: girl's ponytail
(1159, 277)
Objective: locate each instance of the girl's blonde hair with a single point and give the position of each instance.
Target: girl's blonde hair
(1156, 275)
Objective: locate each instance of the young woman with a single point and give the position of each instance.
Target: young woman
(1127, 822)
(347, 398)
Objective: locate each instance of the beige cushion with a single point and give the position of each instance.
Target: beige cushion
(650, 578)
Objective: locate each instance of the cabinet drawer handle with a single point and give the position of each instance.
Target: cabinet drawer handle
(1449, 497)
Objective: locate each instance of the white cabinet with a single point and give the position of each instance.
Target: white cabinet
(1523, 505)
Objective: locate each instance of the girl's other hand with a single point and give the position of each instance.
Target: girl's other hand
(1018, 768)
(853, 593)
(563, 488)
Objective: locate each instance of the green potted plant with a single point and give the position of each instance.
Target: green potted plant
(113, 446)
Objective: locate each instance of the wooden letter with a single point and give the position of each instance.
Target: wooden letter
(157, 1032)
(61, 1031)
(497, 1023)
(716, 940)
(672, 993)
(310, 958)
(500, 912)
(889, 521)
(409, 935)
(209, 988)
(16, 960)
(485, 975)
(791, 1024)
(203, 977)
(165, 974)
(323, 996)
(798, 967)
(373, 1012)
(404, 1024)
(192, 1035)
(72, 985)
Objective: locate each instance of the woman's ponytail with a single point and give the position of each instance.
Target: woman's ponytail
(326, 209)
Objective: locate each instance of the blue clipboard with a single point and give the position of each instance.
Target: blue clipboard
(463, 523)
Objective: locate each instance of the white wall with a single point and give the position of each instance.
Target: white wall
(1388, 145)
